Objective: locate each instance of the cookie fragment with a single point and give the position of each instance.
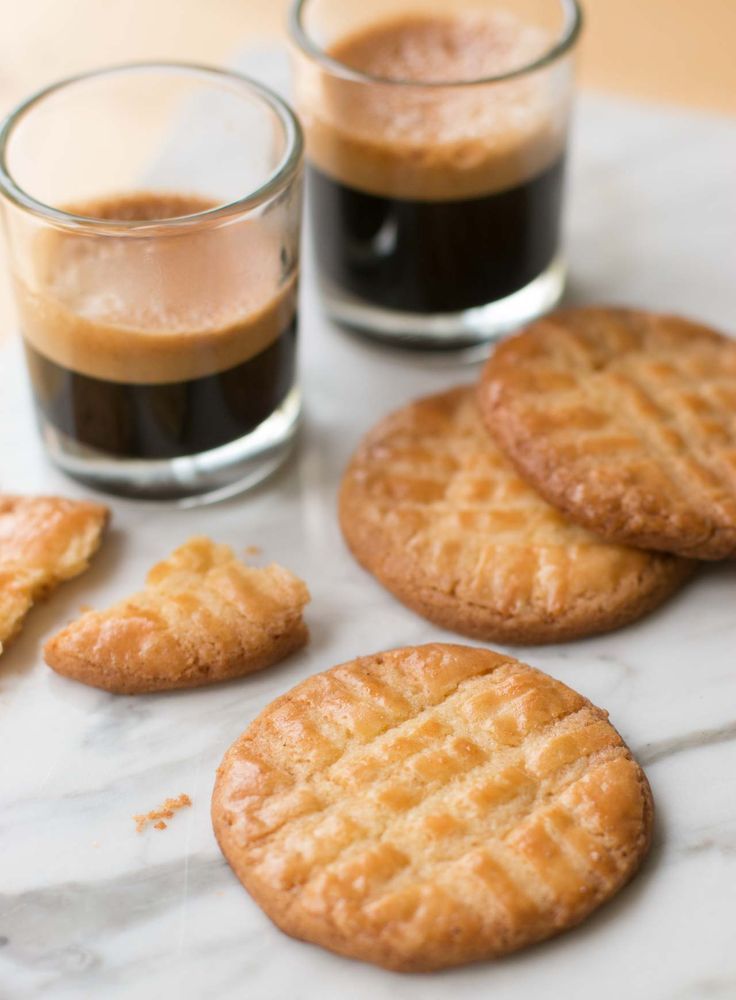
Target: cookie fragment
(202, 617)
(435, 511)
(43, 541)
(625, 420)
(431, 806)
(162, 812)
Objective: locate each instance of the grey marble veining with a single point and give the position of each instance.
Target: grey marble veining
(90, 908)
(687, 741)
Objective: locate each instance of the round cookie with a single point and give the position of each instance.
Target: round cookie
(430, 806)
(434, 510)
(626, 421)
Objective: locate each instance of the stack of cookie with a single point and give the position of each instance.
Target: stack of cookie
(568, 493)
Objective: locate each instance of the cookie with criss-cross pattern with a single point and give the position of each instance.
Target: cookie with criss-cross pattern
(202, 617)
(435, 511)
(43, 541)
(626, 421)
(430, 806)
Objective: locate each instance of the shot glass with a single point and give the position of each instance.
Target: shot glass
(152, 216)
(436, 137)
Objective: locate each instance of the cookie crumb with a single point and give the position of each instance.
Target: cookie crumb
(166, 811)
(84, 608)
(253, 550)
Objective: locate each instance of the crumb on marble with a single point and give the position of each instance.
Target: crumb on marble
(166, 811)
(84, 608)
(253, 550)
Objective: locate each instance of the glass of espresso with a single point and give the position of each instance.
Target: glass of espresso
(436, 136)
(152, 215)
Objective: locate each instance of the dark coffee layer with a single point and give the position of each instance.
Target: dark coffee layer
(436, 256)
(165, 420)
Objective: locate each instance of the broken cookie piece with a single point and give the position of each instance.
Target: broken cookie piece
(202, 617)
(43, 541)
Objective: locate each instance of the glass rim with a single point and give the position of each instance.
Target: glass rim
(278, 179)
(571, 30)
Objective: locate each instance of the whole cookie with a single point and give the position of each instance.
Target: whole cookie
(433, 509)
(625, 420)
(431, 806)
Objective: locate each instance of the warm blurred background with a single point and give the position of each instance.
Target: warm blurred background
(677, 51)
(681, 51)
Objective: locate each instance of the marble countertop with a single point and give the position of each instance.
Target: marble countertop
(89, 908)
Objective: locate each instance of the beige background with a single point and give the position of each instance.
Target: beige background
(674, 50)
(681, 51)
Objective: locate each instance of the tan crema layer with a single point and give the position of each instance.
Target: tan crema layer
(168, 308)
(435, 143)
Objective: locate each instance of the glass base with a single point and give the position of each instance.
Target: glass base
(188, 481)
(448, 331)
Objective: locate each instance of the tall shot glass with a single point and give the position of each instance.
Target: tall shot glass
(436, 137)
(152, 215)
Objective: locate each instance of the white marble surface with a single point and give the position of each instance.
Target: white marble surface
(89, 908)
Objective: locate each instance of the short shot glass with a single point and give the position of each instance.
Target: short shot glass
(152, 216)
(436, 138)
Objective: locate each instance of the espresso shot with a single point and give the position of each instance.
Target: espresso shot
(436, 256)
(164, 419)
(141, 372)
(436, 170)
(155, 266)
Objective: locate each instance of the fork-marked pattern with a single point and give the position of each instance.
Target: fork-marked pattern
(627, 422)
(438, 514)
(473, 800)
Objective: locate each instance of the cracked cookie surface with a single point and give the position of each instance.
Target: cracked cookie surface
(626, 420)
(430, 806)
(203, 617)
(43, 541)
(436, 512)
